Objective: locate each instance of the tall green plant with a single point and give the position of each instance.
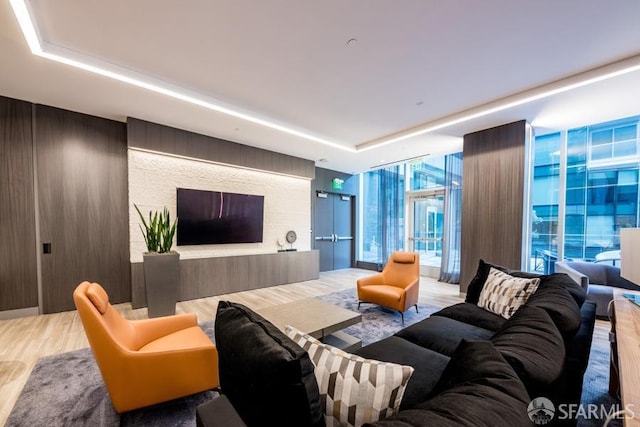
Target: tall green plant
(158, 231)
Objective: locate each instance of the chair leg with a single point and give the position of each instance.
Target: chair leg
(359, 302)
(417, 309)
(402, 315)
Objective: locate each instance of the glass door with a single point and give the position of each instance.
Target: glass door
(426, 227)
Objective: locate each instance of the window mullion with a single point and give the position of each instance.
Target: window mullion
(562, 193)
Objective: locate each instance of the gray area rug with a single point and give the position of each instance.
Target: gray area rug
(377, 322)
(67, 389)
(595, 387)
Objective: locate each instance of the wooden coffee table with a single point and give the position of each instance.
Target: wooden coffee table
(317, 318)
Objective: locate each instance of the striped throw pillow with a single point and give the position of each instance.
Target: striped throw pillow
(503, 294)
(353, 390)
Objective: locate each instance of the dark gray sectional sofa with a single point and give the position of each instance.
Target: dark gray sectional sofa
(546, 343)
(472, 367)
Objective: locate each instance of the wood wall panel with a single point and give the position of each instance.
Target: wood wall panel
(18, 278)
(83, 205)
(165, 139)
(492, 198)
(204, 277)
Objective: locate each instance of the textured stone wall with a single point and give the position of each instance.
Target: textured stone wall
(153, 179)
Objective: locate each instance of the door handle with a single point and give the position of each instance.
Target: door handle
(333, 238)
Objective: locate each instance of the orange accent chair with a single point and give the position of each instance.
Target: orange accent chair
(144, 362)
(396, 287)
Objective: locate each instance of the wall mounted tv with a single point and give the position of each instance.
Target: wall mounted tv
(213, 217)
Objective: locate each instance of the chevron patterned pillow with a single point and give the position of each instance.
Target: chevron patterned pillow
(353, 390)
(503, 294)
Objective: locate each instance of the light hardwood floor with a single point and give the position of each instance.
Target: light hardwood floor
(23, 341)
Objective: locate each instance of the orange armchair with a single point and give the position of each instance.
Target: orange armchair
(396, 287)
(149, 361)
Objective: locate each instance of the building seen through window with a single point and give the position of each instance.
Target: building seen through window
(600, 192)
(404, 209)
(591, 170)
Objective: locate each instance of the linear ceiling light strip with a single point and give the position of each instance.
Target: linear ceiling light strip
(21, 10)
(586, 78)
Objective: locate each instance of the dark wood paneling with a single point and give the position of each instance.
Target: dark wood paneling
(492, 198)
(18, 279)
(155, 137)
(83, 198)
(205, 277)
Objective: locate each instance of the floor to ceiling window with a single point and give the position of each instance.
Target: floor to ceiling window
(382, 214)
(545, 188)
(425, 209)
(598, 174)
(405, 207)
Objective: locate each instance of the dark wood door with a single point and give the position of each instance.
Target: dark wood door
(83, 205)
(333, 230)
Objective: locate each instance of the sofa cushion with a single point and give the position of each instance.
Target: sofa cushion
(262, 370)
(597, 273)
(560, 305)
(470, 313)
(443, 334)
(532, 345)
(428, 365)
(353, 390)
(503, 294)
(615, 279)
(576, 291)
(477, 388)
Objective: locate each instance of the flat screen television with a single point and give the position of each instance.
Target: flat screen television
(214, 217)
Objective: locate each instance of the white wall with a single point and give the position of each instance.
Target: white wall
(153, 179)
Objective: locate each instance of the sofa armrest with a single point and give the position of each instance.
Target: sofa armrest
(576, 276)
(218, 412)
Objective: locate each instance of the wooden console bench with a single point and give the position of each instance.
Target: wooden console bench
(624, 372)
(205, 277)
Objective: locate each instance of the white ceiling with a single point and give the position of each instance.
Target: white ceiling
(414, 63)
